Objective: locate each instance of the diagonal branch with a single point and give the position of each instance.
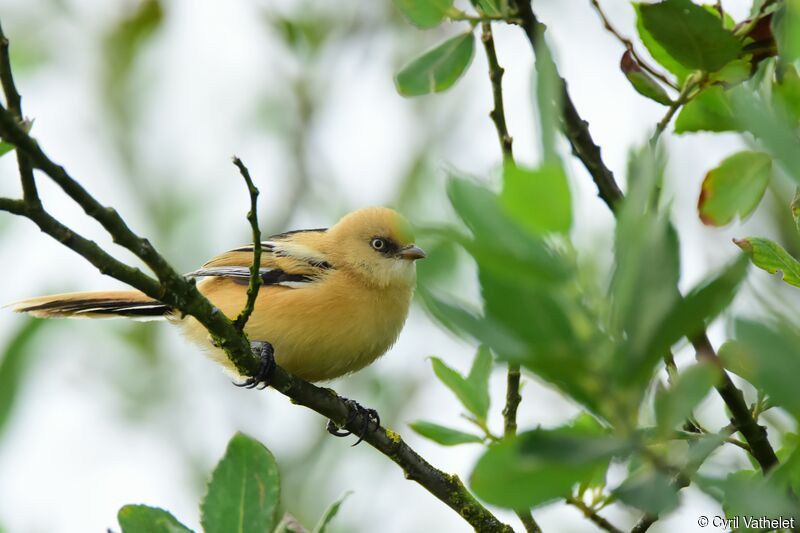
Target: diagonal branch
(575, 128)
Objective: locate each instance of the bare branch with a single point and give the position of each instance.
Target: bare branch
(255, 268)
(14, 103)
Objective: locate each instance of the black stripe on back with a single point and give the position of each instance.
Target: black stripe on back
(294, 231)
(276, 277)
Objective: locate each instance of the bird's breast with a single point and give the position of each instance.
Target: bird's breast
(321, 331)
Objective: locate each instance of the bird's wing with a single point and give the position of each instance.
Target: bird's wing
(289, 259)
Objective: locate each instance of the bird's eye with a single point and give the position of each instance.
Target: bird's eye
(378, 244)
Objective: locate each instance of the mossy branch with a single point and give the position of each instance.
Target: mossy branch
(181, 294)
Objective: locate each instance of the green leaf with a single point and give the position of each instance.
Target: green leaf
(771, 355)
(13, 366)
(734, 187)
(443, 435)
(144, 519)
(424, 13)
(786, 27)
(786, 92)
(711, 110)
(690, 34)
(658, 52)
(646, 272)
(461, 321)
(549, 94)
(675, 404)
(735, 358)
(472, 397)
(796, 209)
(501, 244)
(437, 69)
(703, 303)
(244, 490)
(546, 321)
(772, 126)
(478, 377)
(652, 492)
(492, 8)
(733, 73)
(539, 200)
(642, 82)
(541, 465)
(329, 514)
(5, 147)
(770, 256)
(747, 493)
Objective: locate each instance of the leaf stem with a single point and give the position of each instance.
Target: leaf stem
(628, 44)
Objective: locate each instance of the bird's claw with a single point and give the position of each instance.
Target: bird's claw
(262, 378)
(354, 411)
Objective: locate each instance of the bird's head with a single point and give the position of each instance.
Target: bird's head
(377, 244)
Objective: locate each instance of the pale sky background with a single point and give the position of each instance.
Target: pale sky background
(77, 448)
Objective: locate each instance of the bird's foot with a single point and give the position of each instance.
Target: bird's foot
(262, 378)
(356, 411)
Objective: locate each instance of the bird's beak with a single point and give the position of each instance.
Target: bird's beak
(411, 252)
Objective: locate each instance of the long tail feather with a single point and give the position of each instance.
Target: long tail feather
(106, 304)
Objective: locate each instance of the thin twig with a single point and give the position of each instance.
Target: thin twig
(255, 267)
(497, 114)
(498, 117)
(14, 103)
(686, 94)
(592, 515)
(628, 44)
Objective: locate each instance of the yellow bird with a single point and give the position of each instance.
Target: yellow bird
(333, 300)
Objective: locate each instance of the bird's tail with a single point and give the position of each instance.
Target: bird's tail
(103, 304)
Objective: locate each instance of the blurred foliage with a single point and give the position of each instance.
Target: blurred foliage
(16, 361)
